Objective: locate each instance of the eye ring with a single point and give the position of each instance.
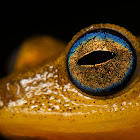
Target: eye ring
(98, 78)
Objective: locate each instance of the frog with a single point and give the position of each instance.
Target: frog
(87, 89)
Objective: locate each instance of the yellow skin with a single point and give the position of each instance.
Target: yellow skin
(37, 51)
(42, 102)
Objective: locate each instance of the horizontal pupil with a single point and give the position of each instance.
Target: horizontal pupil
(96, 57)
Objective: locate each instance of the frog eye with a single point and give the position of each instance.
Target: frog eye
(101, 59)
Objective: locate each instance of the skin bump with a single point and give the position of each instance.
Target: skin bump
(43, 102)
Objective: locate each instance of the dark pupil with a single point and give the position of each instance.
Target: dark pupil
(96, 57)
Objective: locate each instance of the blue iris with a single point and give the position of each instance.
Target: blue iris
(101, 35)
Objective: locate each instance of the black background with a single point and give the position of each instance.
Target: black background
(61, 22)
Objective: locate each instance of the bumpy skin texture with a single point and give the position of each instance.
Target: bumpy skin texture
(43, 103)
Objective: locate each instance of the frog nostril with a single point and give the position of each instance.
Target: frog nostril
(96, 57)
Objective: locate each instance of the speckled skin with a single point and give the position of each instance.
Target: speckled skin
(44, 103)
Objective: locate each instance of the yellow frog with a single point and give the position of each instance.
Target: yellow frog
(87, 90)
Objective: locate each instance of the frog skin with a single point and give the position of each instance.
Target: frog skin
(43, 103)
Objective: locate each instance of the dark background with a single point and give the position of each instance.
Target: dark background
(18, 24)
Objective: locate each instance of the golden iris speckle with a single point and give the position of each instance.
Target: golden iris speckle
(101, 62)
